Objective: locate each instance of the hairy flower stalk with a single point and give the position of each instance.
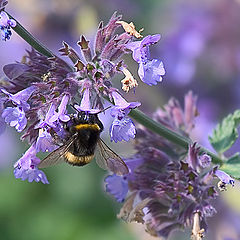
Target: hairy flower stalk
(166, 186)
(37, 95)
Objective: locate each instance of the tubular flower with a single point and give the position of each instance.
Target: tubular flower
(168, 186)
(122, 127)
(26, 167)
(39, 91)
(150, 71)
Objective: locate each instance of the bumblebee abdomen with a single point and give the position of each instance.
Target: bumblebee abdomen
(78, 160)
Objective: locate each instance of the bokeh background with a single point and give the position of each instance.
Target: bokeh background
(200, 48)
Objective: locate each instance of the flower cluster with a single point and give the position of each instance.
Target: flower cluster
(5, 22)
(165, 186)
(36, 96)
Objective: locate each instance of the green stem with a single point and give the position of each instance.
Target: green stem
(168, 134)
(135, 113)
(29, 38)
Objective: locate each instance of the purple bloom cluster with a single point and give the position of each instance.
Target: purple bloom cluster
(165, 186)
(36, 97)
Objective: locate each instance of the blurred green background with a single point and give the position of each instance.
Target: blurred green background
(74, 205)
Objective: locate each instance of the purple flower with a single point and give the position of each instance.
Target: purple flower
(60, 115)
(20, 98)
(15, 117)
(224, 177)
(32, 174)
(151, 72)
(117, 186)
(122, 105)
(26, 167)
(122, 129)
(5, 26)
(45, 142)
(140, 49)
(85, 105)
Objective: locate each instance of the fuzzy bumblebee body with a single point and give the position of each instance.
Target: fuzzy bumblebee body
(82, 150)
(78, 147)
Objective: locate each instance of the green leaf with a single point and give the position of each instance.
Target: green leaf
(232, 166)
(225, 133)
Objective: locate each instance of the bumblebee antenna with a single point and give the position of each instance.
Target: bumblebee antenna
(105, 109)
(75, 108)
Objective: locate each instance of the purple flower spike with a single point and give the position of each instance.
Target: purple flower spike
(26, 167)
(117, 186)
(224, 177)
(123, 129)
(15, 117)
(140, 49)
(60, 115)
(151, 72)
(85, 104)
(20, 98)
(121, 104)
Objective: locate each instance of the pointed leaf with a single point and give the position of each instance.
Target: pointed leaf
(225, 133)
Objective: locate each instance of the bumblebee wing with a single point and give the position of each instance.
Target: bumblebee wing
(107, 159)
(58, 155)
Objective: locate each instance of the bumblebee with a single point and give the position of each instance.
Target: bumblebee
(82, 143)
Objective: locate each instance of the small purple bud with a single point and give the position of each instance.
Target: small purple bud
(204, 160)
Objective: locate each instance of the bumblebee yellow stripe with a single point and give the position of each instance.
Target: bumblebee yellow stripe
(78, 160)
(87, 126)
